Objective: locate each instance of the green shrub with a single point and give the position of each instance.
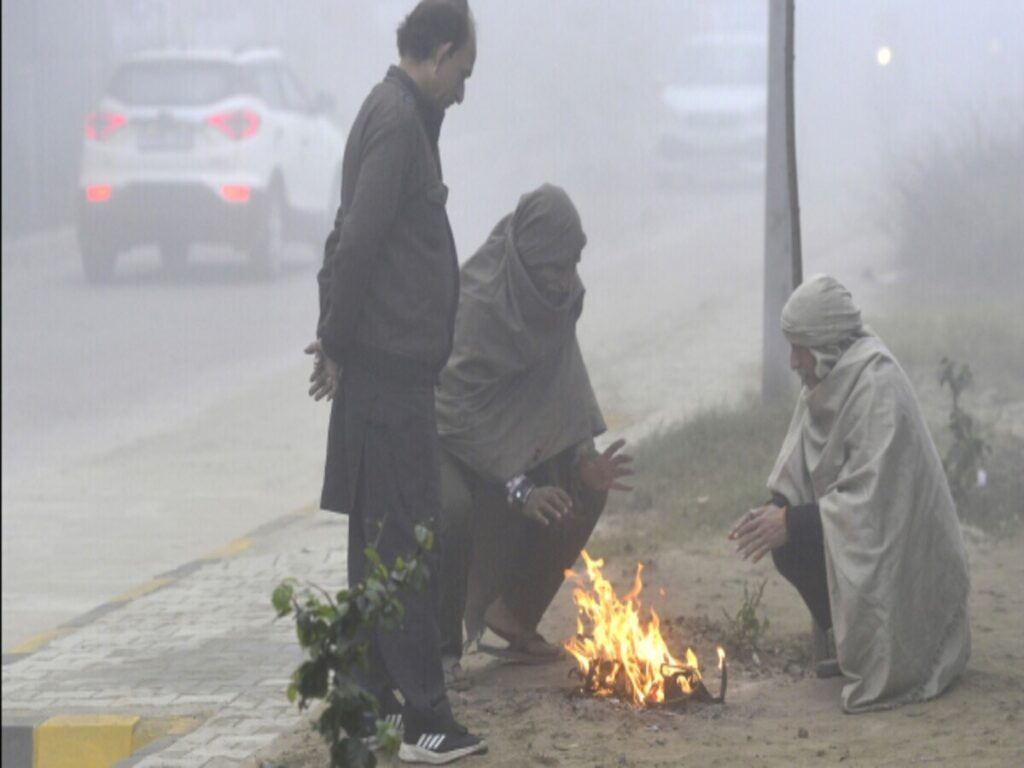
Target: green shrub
(333, 633)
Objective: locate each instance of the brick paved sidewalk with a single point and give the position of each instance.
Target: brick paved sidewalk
(198, 649)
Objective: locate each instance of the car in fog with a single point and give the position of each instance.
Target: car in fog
(219, 147)
(713, 118)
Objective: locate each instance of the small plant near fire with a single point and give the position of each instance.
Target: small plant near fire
(963, 460)
(333, 632)
(744, 629)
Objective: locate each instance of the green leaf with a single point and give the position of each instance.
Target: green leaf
(282, 598)
(424, 537)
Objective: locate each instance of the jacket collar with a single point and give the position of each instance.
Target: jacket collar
(431, 116)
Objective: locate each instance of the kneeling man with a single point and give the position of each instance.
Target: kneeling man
(861, 521)
(522, 485)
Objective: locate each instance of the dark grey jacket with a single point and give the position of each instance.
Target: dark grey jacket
(389, 284)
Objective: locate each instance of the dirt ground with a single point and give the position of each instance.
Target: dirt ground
(777, 713)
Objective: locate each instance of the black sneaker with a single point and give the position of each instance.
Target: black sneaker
(440, 748)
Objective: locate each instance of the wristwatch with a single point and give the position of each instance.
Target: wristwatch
(518, 489)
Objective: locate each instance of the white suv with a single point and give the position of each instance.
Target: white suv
(189, 146)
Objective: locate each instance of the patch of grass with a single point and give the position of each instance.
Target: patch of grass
(988, 335)
(986, 332)
(745, 629)
(998, 506)
(696, 477)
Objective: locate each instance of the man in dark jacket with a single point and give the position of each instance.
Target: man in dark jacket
(388, 294)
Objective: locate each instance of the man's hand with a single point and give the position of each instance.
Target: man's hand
(760, 531)
(326, 373)
(547, 504)
(601, 471)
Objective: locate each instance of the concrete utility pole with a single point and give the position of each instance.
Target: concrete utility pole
(783, 265)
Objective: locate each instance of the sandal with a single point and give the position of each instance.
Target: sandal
(529, 648)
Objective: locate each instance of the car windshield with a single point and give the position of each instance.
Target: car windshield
(722, 63)
(180, 83)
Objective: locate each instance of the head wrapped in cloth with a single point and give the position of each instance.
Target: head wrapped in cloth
(546, 228)
(821, 316)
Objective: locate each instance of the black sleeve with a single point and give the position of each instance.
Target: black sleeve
(326, 273)
(803, 524)
(362, 230)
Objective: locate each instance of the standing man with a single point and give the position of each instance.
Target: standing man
(389, 289)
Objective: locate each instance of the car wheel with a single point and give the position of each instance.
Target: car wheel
(173, 255)
(269, 245)
(98, 263)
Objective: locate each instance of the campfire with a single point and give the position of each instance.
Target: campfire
(620, 654)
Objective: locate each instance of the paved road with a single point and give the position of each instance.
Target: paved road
(125, 415)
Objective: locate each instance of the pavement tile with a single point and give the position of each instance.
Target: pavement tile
(207, 645)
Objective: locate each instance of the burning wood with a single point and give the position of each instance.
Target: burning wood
(619, 654)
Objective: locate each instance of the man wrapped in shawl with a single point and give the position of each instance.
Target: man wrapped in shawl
(522, 485)
(862, 522)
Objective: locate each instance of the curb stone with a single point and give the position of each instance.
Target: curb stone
(47, 722)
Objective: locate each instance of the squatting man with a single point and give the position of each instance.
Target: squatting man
(861, 519)
(522, 484)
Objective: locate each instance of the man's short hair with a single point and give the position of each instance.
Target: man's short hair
(433, 23)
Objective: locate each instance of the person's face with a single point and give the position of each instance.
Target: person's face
(554, 281)
(802, 361)
(452, 67)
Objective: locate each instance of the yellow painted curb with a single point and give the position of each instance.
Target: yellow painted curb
(33, 644)
(100, 741)
(143, 589)
(84, 741)
(234, 548)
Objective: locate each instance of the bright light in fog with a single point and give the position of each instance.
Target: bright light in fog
(995, 46)
(884, 56)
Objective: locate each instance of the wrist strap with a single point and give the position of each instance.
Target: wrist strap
(517, 490)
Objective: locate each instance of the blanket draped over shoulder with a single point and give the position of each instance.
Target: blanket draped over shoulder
(516, 392)
(896, 565)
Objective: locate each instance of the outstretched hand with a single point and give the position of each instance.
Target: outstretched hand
(602, 471)
(759, 532)
(326, 373)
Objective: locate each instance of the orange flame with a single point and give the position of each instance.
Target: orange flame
(622, 654)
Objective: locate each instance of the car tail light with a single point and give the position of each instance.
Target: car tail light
(100, 126)
(236, 125)
(98, 193)
(236, 193)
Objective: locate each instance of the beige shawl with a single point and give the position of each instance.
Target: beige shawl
(895, 559)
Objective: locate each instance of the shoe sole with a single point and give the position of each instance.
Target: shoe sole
(410, 753)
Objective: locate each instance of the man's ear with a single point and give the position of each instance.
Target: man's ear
(444, 52)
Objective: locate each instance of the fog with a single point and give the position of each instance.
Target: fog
(580, 93)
